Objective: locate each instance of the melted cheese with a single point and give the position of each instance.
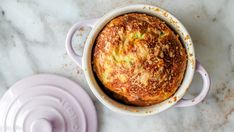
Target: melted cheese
(136, 57)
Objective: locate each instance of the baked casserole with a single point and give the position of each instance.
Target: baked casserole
(138, 59)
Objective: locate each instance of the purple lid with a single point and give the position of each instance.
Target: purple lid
(47, 103)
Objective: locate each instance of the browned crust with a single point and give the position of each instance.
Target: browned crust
(139, 59)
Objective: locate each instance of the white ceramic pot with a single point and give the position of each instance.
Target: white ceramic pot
(177, 99)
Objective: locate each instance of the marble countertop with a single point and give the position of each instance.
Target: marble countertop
(32, 39)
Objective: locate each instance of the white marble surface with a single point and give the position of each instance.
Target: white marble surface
(32, 36)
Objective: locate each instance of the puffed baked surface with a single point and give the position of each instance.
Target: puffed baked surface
(139, 59)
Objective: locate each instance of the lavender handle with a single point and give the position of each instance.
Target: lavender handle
(75, 57)
(206, 86)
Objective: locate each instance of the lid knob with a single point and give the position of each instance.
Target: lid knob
(41, 125)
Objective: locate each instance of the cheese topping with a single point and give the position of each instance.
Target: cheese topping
(139, 59)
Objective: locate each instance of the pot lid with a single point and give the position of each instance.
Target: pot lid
(47, 103)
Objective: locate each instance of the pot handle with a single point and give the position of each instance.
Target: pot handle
(71, 52)
(206, 86)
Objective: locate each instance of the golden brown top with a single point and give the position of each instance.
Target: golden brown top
(139, 59)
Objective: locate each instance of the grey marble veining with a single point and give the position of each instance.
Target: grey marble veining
(32, 38)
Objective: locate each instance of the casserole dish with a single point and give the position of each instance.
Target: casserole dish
(177, 99)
